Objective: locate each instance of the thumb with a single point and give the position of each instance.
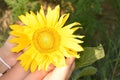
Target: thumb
(62, 73)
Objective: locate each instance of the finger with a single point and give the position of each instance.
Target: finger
(16, 73)
(73, 67)
(70, 60)
(8, 44)
(8, 56)
(70, 71)
(63, 72)
(39, 75)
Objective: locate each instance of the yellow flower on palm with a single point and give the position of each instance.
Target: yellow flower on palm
(46, 39)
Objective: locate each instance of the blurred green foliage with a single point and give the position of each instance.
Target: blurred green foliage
(88, 13)
(19, 7)
(100, 20)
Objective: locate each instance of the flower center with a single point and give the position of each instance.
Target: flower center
(46, 40)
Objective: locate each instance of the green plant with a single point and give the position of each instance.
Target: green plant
(83, 64)
(19, 7)
(88, 13)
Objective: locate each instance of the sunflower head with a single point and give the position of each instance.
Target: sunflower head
(46, 39)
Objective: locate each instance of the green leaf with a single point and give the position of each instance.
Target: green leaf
(99, 52)
(88, 71)
(89, 56)
(84, 72)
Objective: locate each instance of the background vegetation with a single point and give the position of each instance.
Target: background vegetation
(100, 20)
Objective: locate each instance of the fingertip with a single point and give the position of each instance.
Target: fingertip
(51, 67)
(70, 60)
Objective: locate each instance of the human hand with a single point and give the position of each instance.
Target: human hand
(62, 73)
(6, 54)
(53, 73)
(17, 70)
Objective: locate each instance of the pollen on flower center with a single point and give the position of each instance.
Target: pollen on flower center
(46, 40)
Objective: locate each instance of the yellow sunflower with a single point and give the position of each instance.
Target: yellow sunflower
(46, 39)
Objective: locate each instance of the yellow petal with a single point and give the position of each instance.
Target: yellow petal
(33, 66)
(18, 30)
(58, 59)
(43, 61)
(30, 20)
(73, 53)
(46, 62)
(64, 52)
(42, 14)
(27, 57)
(62, 20)
(51, 21)
(77, 36)
(65, 32)
(41, 20)
(71, 25)
(23, 39)
(75, 40)
(73, 46)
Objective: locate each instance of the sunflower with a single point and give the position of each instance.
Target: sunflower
(45, 39)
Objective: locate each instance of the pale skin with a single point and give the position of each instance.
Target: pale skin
(18, 73)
